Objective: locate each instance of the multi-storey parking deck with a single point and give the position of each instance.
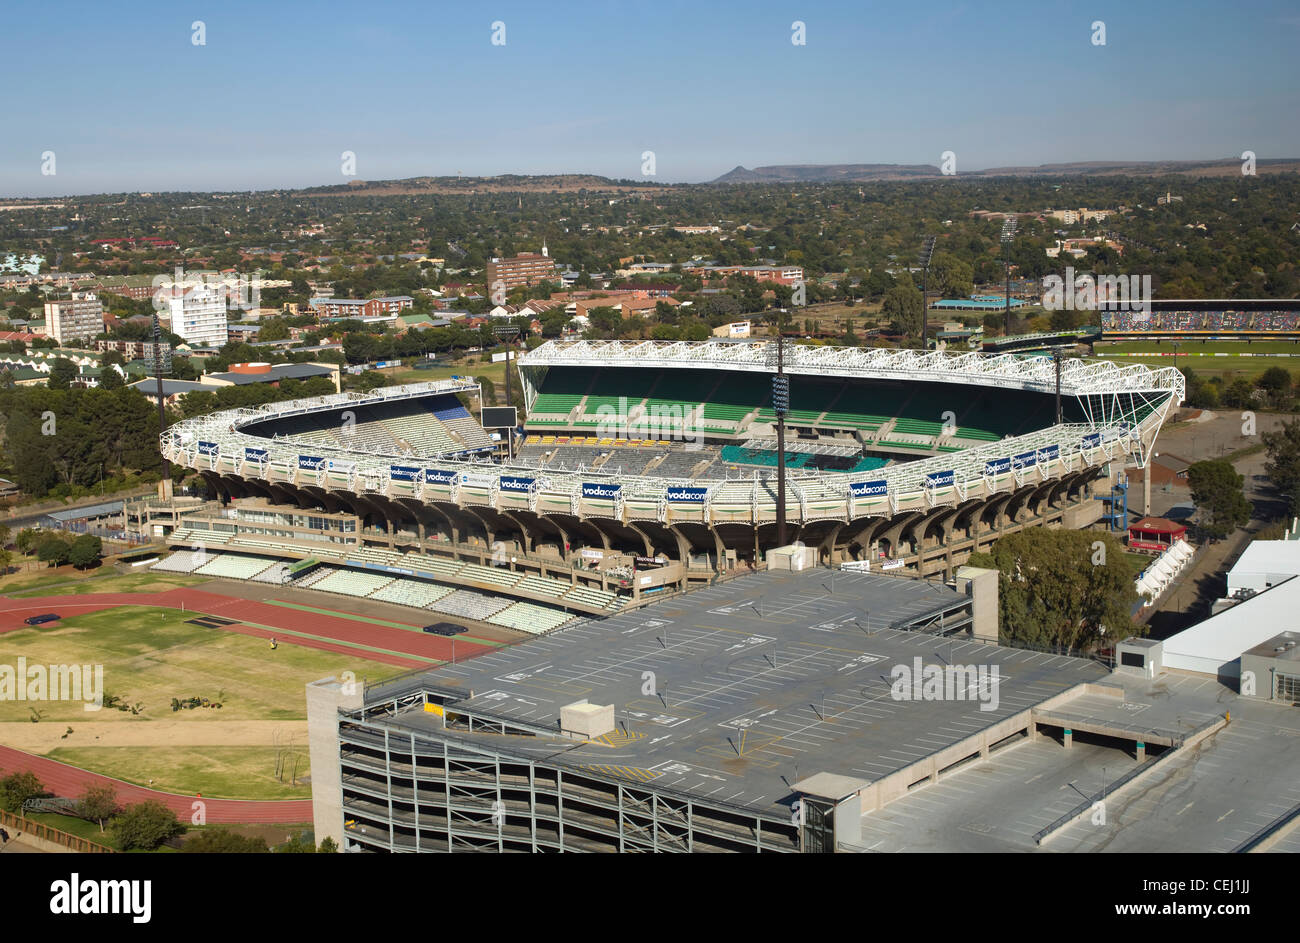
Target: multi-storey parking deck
(720, 705)
(972, 486)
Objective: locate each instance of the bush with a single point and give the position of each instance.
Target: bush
(17, 788)
(223, 841)
(146, 825)
(98, 804)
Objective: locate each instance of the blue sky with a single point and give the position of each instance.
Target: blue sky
(126, 101)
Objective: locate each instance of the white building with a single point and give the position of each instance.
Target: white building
(79, 318)
(1264, 595)
(199, 316)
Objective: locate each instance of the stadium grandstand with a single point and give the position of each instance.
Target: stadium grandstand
(1043, 340)
(649, 466)
(1207, 319)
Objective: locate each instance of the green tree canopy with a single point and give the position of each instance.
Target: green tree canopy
(1217, 492)
(223, 841)
(17, 788)
(145, 825)
(902, 306)
(1059, 588)
(98, 804)
(1283, 466)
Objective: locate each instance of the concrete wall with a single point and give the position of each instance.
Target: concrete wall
(981, 586)
(894, 786)
(324, 699)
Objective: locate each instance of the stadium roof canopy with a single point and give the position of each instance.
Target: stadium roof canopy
(1009, 371)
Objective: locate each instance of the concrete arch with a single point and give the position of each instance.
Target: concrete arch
(620, 536)
(581, 533)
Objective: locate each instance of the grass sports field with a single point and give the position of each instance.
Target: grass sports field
(152, 655)
(1230, 359)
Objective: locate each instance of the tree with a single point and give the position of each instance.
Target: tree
(370, 380)
(27, 539)
(54, 549)
(223, 841)
(145, 825)
(1283, 465)
(950, 276)
(62, 373)
(85, 551)
(1057, 588)
(902, 306)
(110, 379)
(17, 788)
(273, 329)
(1239, 394)
(1217, 492)
(1276, 382)
(98, 804)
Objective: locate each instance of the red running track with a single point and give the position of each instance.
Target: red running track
(71, 782)
(321, 627)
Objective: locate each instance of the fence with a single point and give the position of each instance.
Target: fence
(18, 824)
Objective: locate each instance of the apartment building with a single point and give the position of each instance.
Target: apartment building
(527, 268)
(342, 309)
(138, 350)
(780, 274)
(199, 316)
(77, 318)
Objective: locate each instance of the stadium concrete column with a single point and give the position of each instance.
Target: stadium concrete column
(827, 546)
(1146, 489)
(683, 547)
(645, 539)
(894, 533)
(324, 700)
(719, 549)
(526, 541)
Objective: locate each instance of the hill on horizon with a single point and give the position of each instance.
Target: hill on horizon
(863, 173)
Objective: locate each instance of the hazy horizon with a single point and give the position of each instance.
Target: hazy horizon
(127, 102)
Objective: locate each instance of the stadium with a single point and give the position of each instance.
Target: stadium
(650, 466)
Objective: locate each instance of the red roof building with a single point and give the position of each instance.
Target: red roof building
(1155, 534)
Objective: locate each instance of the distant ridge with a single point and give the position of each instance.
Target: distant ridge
(827, 173)
(853, 173)
(505, 183)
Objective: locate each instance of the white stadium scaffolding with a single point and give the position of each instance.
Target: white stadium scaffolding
(1125, 406)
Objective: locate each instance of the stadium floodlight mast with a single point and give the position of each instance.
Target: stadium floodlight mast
(923, 257)
(780, 405)
(162, 409)
(1056, 360)
(507, 334)
(1008, 234)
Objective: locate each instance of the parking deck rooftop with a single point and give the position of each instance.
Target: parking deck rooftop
(734, 692)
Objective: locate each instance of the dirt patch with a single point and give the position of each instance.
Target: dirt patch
(43, 737)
